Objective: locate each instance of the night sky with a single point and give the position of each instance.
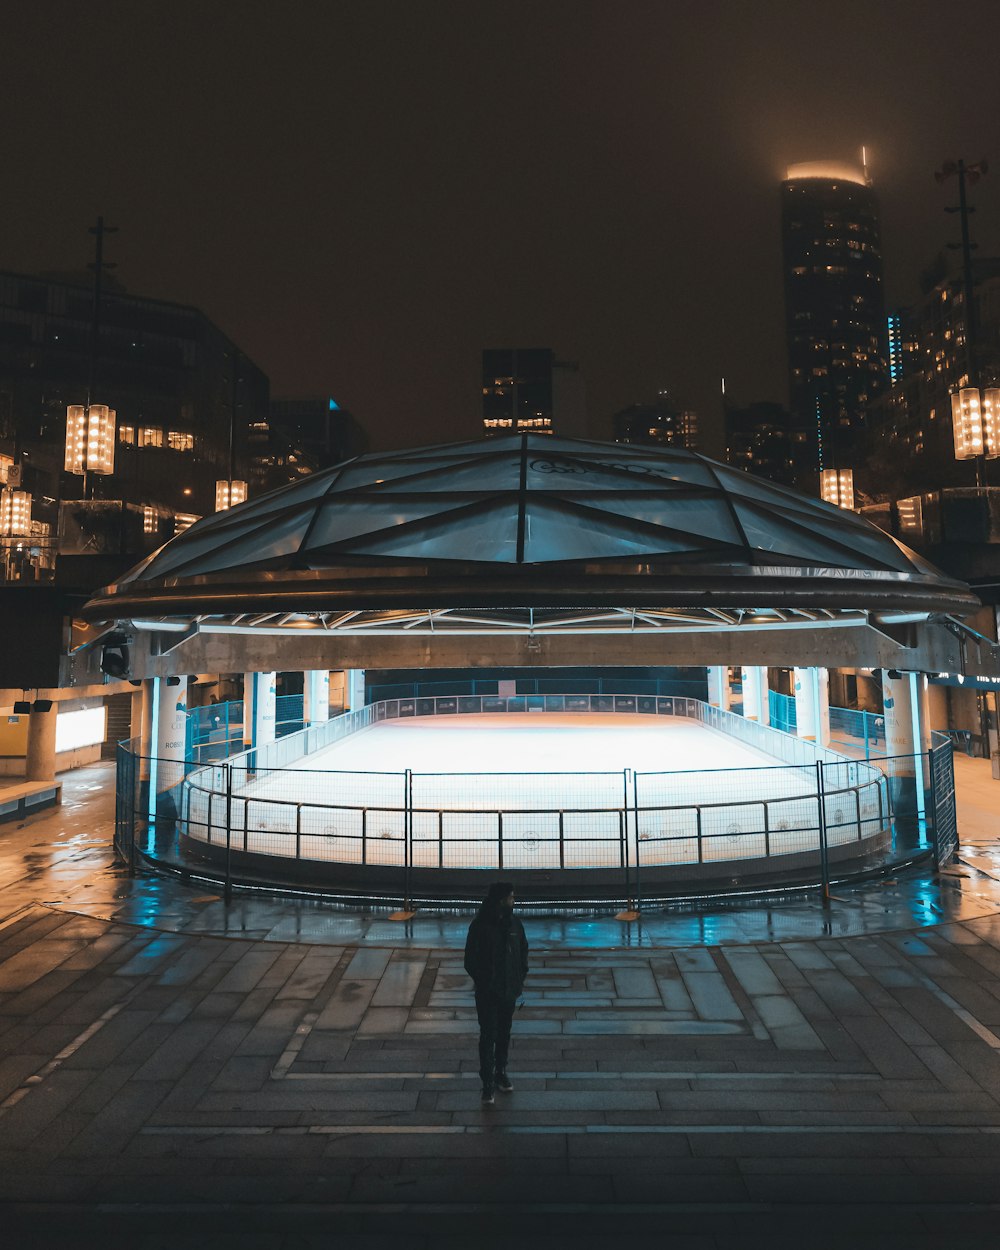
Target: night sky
(364, 195)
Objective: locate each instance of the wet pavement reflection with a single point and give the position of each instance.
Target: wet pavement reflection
(62, 857)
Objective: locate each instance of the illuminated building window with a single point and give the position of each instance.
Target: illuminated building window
(6, 463)
(126, 434)
(184, 520)
(497, 423)
(150, 436)
(180, 441)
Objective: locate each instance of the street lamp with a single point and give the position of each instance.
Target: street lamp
(836, 486)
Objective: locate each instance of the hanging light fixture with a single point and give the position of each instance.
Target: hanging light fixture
(836, 486)
(15, 513)
(90, 439)
(228, 494)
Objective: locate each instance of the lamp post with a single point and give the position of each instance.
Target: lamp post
(973, 413)
(230, 491)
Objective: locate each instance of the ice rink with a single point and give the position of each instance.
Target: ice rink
(552, 788)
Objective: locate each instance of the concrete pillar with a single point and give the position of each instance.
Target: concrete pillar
(136, 714)
(719, 690)
(354, 683)
(170, 729)
(812, 705)
(907, 735)
(755, 691)
(316, 695)
(40, 764)
(259, 708)
(167, 705)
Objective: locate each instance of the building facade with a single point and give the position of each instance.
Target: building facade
(835, 314)
(184, 396)
(759, 440)
(657, 423)
(526, 390)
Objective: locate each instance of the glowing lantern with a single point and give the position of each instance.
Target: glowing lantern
(90, 439)
(229, 494)
(836, 486)
(15, 513)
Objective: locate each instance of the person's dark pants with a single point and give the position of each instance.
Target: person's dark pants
(495, 1016)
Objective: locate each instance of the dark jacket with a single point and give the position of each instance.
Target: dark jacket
(496, 955)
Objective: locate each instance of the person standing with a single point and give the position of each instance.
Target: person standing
(496, 957)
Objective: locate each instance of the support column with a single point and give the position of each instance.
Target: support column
(169, 733)
(812, 705)
(354, 688)
(259, 708)
(40, 764)
(907, 737)
(135, 721)
(719, 690)
(755, 692)
(316, 695)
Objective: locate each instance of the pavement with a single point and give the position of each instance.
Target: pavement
(276, 1073)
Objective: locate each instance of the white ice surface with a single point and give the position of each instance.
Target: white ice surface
(531, 767)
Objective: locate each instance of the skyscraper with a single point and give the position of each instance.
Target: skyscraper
(834, 305)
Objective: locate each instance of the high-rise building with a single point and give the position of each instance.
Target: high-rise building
(658, 422)
(834, 304)
(909, 445)
(526, 390)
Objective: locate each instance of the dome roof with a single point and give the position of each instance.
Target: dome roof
(529, 521)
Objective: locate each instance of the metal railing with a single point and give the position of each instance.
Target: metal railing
(216, 730)
(851, 729)
(269, 806)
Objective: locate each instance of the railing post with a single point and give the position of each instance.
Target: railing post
(701, 845)
(408, 841)
(635, 826)
(932, 807)
(767, 830)
(440, 839)
(824, 866)
(562, 844)
(228, 892)
(131, 774)
(364, 835)
(499, 839)
(623, 837)
(298, 830)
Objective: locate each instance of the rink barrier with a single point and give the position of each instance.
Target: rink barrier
(614, 837)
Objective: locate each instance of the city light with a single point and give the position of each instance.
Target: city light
(911, 516)
(90, 439)
(836, 486)
(229, 494)
(15, 513)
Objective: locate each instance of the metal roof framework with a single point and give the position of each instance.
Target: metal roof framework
(532, 536)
